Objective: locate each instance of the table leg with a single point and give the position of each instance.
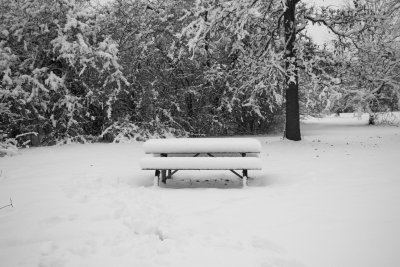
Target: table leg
(156, 180)
(164, 176)
(244, 174)
(244, 178)
(164, 172)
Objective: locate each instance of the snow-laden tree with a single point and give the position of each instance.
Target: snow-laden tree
(271, 54)
(367, 52)
(59, 75)
(172, 87)
(156, 65)
(270, 49)
(375, 59)
(244, 47)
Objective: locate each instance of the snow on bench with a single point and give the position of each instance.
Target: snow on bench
(201, 163)
(224, 154)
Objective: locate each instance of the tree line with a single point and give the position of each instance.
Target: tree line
(76, 71)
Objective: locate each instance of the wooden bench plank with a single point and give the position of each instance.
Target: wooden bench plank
(203, 163)
(202, 145)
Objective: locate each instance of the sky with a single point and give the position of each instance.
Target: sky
(320, 34)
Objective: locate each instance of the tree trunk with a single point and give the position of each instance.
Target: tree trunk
(292, 127)
(371, 120)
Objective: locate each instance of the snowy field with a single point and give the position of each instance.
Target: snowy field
(330, 200)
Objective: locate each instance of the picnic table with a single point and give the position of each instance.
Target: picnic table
(169, 156)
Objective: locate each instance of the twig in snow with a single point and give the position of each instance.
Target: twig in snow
(9, 205)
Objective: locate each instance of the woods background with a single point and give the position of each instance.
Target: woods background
(77, 71)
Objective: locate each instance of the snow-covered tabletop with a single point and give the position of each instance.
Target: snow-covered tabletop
(202, 145)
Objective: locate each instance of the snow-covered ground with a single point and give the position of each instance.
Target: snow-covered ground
(332, 199)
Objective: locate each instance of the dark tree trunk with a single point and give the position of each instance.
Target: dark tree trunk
(292, 127)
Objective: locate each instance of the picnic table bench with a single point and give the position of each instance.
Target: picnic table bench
(172, 155)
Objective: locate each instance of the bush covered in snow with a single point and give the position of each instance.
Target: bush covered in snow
(60, 74)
